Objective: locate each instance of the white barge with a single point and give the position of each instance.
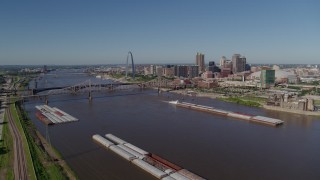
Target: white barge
(54, 115)
(250, 118)
(151, 163)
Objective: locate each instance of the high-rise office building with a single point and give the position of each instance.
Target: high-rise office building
(193, 71)
(213, 68)
(223, 61)
(211, 65)
(267, 78)
(168, 71)
(159, 71)
(200, 62)
(238, 63)
(153, 69)
(181, 71)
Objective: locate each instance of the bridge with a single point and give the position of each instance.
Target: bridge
(89, 87)
(84, 86)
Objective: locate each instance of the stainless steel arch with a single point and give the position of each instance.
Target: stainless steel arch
(132, 64)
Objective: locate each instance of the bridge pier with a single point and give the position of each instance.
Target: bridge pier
(159, 91)
(46, 100)
(90, 97)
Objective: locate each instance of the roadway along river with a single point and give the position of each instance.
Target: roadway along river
(212, 146)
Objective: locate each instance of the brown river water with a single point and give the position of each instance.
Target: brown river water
(212, 146)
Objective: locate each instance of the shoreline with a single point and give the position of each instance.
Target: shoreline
(220, 97)
(55, 162)
(108, 77)
(263, 106)
(55, 155)
(46, 155)
(294, 111)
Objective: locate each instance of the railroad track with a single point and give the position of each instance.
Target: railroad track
(20, 165)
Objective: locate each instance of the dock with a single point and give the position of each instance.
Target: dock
(236, 115)
(52, 115)
(151, 163)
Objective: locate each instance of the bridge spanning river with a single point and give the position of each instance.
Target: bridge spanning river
(88, 86)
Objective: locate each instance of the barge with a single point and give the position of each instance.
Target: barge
(237, 115)
(151, 163)
(43, 118)
(52, 115)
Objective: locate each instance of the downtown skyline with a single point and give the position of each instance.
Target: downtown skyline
(83, 32)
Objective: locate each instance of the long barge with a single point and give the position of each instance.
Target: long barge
(153, 164)
(52, 115)
(237, 115)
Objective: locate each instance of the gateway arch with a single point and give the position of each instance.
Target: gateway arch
(132, 64)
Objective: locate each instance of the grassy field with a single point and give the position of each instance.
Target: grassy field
(244, 101)
(117, 76)
(138, 78)
(30, 167)
(317, 102)
(6, 153)
(142, 78)
(256, 99)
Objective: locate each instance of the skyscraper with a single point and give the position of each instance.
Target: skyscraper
(200, 62)
(267, 78)
(181, 71)
(211, 65)
(223, 61)
(193, 71)
(238, 63)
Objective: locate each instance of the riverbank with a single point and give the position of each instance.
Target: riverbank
(47, 163)
(241, 101)
(295, 111)
(115, 79)
(198, 94)
(122, 79)
(247, 101)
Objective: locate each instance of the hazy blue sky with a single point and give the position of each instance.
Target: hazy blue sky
(158, 31)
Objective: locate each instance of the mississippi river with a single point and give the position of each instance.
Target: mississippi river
(212, 146)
